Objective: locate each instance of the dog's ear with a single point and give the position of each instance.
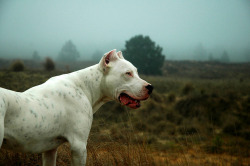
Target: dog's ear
(107, 59)
(110, 56)
(119, 54)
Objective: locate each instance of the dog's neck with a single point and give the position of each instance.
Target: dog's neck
(89, 80)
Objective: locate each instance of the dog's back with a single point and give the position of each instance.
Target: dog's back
(26, 118)
(4, 103)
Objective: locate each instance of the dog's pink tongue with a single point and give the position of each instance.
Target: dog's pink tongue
(129, 102)
(134, 105)
(125, 100)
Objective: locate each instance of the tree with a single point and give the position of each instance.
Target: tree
(144, 54)
(68, 52)
(200, 52)
(225, 57)
(211, 57)
(35, 56)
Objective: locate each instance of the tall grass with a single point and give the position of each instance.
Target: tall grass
(99, 154)
(187, 121)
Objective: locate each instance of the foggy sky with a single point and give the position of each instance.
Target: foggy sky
(176, 25)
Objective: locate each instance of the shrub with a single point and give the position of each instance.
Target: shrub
(17, 66)
(232, 128)
(203, 92)
(217, 142)
(159, 127)
(151, 139)
(174, 117)
(187, 89)
(232, 95)
(187, 130)
(171, 97)
(140, 126)
(214, 95)
(155, 118)
(170, 128)
(49, 64)
(215, 146)
(157, 97)
(188, 106)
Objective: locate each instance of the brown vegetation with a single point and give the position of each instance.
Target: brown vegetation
(49, 64)
(187, 121)
(17, 66)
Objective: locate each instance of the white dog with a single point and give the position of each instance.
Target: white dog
(45, 116)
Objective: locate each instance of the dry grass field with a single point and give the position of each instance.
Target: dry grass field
(198, 114)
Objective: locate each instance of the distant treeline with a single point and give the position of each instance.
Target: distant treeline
(191, 69)
(140, 50)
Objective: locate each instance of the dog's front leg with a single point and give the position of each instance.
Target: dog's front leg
(2, 115)
(78, 153)
(1, 130)
(49, 157)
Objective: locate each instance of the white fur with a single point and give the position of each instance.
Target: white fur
(61, 109)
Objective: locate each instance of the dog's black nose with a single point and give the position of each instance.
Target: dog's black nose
(149, 88)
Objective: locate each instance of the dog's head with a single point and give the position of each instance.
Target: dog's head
(121, 81)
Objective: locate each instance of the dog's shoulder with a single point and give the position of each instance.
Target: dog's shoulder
(57, 83)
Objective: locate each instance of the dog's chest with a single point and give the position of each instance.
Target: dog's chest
(32, 146)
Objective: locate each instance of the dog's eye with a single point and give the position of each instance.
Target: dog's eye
(129, 74)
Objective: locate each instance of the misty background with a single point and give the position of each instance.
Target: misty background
(95, 27)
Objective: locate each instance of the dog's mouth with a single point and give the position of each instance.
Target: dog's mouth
(127, 100)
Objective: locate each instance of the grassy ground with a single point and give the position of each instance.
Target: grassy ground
(188, 120)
